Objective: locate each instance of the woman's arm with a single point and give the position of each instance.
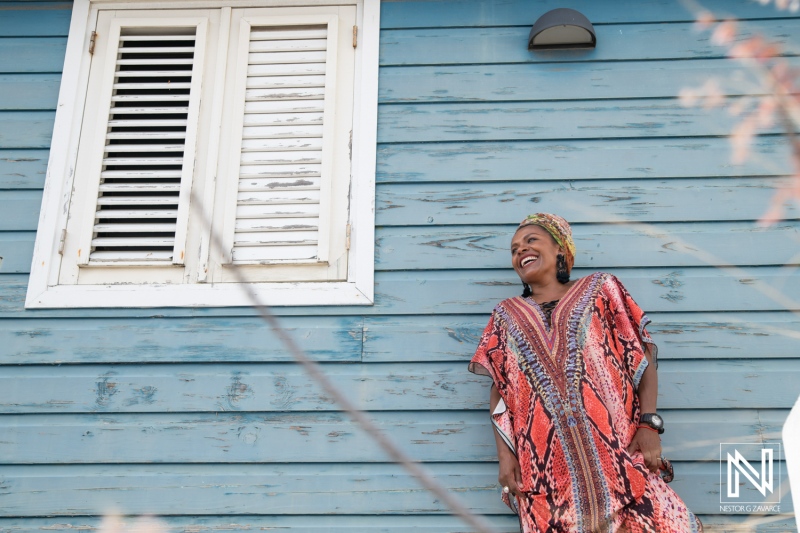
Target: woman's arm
(647, 440)
(510, 474)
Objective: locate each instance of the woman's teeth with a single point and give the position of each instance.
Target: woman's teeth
(528, 260)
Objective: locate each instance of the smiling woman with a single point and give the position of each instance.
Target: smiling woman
(573, 401)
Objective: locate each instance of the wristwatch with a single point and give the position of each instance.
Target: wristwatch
(652, 420)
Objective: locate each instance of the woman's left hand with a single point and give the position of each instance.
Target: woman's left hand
(649, 443)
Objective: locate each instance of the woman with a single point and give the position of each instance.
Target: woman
(573, 398)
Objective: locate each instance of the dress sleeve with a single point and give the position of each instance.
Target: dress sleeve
(631, 326)
(490, 359)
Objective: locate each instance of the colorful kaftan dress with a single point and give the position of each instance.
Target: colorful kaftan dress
(569, 410)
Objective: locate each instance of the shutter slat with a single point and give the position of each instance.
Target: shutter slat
(151, 86)
(280, 171)
(154, 62)
(152, 98)
(147, 135)
(277, 224)
(276, 58)
(144, 161)
(285, 106)
(279, 145)
(289, 69)
(125, 123)
(270, 82)
(149, 110)
(283, 119)
(135, 214)
(134, 242)
(143, 148)
(140, 187)
(267, 254)
(293, 93)
(169, 74)
(288, 34)
(276, 239)
(277, 211)
(140, 174)
(150, 256)
(279, 184)
(277, 198)
(289, 45)
(129, 201)
(281, 132)
(159, 37)
(159, 50)
(134, 228)
(273, 158)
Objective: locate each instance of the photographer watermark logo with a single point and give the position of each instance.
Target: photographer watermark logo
(750, 477)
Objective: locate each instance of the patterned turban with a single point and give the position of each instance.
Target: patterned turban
(558, 228)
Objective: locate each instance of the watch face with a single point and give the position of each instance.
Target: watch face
(657, 421)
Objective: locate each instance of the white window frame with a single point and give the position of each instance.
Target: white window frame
(44, 290)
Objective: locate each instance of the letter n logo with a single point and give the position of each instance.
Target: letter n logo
(737, 465)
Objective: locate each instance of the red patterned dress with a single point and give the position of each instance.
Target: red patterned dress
(569, 410)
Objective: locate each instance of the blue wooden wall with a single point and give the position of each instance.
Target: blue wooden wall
(199, 414)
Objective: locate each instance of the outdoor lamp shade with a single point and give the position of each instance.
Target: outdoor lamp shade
(562, 28)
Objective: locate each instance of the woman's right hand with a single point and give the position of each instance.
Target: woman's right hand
(510, 475)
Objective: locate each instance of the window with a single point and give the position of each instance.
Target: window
(207, 140)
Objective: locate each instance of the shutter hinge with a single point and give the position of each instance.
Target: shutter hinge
(91, 42)
(61, 242)
(347, 243)
(355, 36)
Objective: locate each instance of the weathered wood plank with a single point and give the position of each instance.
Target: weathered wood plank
(325, 437)
(674, 200)
(23, 169)
(678, 335)
(599, 246)
(385, 339)
(525, 121)
(290, 489)
(452, 46)
(577, 160)
(563, 81)
(477, 292)
(16, 251)
(29, 91)
(234, 339)
(506, 523)
(20, 209)
(275, 387)
(26, 129)
(520, 13)
(34, 54)
(677, 290)
(37, 19)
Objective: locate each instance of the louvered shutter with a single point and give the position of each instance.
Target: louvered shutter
(290, 159)
(152, 78)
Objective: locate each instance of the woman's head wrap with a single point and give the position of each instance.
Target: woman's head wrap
(558, 228)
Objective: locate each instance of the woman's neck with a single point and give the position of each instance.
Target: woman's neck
(549, 291)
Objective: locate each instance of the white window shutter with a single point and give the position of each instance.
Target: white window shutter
(289, 169)
(143, 170)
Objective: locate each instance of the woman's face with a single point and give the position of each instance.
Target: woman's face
(533, 254)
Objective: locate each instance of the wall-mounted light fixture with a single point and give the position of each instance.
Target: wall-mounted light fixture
(562, 28)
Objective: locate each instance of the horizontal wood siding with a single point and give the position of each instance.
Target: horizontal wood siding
(201, 415)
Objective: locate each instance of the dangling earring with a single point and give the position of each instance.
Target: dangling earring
(562, 274)
(526, 291)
